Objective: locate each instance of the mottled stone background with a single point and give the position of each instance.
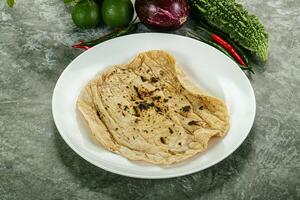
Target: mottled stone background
(35, 163)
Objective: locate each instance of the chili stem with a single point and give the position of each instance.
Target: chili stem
(116, 33)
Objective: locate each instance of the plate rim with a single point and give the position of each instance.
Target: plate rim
(179, 174)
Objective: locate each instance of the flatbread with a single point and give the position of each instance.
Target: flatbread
(149, 110)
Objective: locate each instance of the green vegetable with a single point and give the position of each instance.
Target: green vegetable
(86, 14)
(10, 3)
(234, 20)
(117, 13)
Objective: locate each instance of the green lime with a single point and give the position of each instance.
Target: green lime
(86, 14)
(117, 13)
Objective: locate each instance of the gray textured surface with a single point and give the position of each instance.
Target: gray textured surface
(35, 163)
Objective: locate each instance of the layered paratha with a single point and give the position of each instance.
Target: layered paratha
(149, 110)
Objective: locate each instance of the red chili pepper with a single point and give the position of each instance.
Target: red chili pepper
(229, 48)
(80, 45)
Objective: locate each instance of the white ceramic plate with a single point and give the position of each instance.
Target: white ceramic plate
(210, 68)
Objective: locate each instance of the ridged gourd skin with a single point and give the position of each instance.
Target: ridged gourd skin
(233, 19)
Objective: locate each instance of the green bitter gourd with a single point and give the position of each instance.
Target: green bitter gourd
(234, 20)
